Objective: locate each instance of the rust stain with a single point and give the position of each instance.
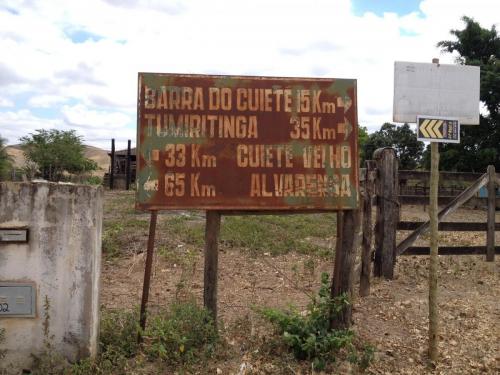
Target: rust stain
(246, 143)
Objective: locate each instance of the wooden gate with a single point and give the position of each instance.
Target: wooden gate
(380, 186)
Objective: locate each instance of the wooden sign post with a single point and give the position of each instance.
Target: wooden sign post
(437, 130)
(434, 261)
(232, 144)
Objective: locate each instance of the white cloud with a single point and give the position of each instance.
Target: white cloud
(96, 128)
(260, 37)
(15, 124)
(4, 102)
(46, 101)
(83, 117)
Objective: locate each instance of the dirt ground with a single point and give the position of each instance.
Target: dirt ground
(393, 318)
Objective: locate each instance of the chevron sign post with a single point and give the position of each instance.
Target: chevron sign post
(438, 129)
(437, 91)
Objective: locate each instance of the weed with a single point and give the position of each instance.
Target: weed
(118, 343)
(3, 352)
(309, 268)
(364, 359)
(49, 361)
(186, 258)
(119, 332)
(182, 335)
(176, 337)
(309, 336)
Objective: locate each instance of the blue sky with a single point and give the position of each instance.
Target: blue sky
(81, 36)
(379, 7)
(73, 65)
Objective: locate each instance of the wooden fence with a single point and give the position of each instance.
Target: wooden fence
(414, 187)
(381, 184)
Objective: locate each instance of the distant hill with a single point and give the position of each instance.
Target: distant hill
(17, 155)
(100, 156)
(97, 154)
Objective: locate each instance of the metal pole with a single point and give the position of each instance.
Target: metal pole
(147, 272)
(112, 167)
(127, 181)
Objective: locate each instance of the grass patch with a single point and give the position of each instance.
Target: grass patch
(119, 203)
(184, 229)
(258, 234)
(278, 234)
(116, 235)
(111, 234)
(182, 256)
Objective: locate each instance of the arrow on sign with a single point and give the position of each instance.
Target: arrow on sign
(430, 128)
(438, 129)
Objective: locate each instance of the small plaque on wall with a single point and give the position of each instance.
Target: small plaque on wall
(17, 300)
(14, 235)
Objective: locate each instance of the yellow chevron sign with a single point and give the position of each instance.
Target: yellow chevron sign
(438, 129)
(430, 128)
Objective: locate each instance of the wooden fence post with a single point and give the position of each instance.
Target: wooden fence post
(490, 234)
(147, 273)
(387, 212)
(212, 230)
(348, 223)
(366, 252)
(112, 167)
(127, 167)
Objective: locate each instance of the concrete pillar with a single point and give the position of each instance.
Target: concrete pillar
(62, 259)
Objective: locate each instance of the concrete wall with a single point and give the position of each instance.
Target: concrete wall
(62, 258)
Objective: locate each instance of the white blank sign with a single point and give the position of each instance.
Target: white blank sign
(436, 90)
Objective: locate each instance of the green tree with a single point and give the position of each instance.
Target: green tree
(479, 145)
(5, 160)
(55, 152)
(362, 139)
(404, 140)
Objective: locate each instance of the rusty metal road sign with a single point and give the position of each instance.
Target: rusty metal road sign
(438, 129)
(246, 143)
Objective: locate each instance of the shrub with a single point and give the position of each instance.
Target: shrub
(177, 336)
(93, 180)
(309, 336)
